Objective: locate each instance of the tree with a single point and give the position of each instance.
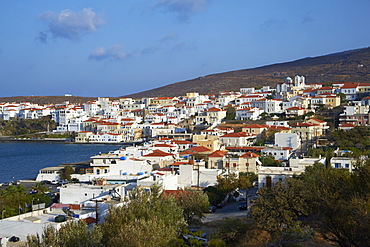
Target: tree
(146, 219)
(194, 204)
(66, 173)
(334, 202)
(227, 184)
(39, 188)
(277, 208)
(73, 233)
(343, 98)
(246, 180)
(269, 161)
(214, 194)
(230, 113)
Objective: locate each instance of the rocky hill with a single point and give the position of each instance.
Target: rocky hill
(348, 66)
(48, 99)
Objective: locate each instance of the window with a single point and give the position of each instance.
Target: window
(234, 164)
(346, 165)
(246, 164)
(337, 165)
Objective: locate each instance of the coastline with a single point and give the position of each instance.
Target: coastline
(66, 141)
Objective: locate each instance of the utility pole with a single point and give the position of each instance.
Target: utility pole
(198, 184)
(96, 212)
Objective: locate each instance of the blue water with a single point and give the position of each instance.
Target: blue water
(22, 160)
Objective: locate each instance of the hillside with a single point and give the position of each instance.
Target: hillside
(48, 99)
(348, 66)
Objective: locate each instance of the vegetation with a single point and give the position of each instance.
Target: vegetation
(354, 138)
(332, 202)
(269, 161)
(194, 204)
(66, 173)
(149, 219)
(18, 127)
(14, 199)
(73, 233)
(230, 113)
(227, 184)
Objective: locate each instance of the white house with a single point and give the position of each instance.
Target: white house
(291, 140)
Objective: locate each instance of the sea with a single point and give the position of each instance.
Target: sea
(22, 160)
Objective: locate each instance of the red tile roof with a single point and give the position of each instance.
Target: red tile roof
(217, 153)
(249, 154)
(200, 149)
(186, 152)
(157, 153)
(256, 126)
(238, 134)
(347, 125)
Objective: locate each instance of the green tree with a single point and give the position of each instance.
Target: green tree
(40, 188)
(147, 219)
(228, 183)
(277, 208)
(194, 204)
(66, 173)
(73, 233)
(214, 194)
(269, 161)
(230, 113)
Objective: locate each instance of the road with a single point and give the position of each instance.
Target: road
(231, 210)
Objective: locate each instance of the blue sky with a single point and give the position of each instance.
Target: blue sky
(114, 47)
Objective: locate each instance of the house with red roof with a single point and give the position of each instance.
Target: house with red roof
(249, 162)
(83, 136)
(210, 116)
(200, 150)
(216, 159)
(165, 147)
(279, 153)
(182, 144)
(307, 131)
(296, 111)
(255, 128)
(346, 126)
(238, 139)
(159, 157)
(108, 127)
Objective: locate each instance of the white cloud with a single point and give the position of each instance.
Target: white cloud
(71, 25)
(184, 8)
(114, 52)
(161, 44)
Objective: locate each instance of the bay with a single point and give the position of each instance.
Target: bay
(22, 160)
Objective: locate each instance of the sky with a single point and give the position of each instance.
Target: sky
(112, 48)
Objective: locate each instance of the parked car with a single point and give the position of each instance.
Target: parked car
(212, 209)
(243, 206)
(187, 238)
(14, 239)
(203, 235)
(45, 182)
(220, 205)
(55, 182)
